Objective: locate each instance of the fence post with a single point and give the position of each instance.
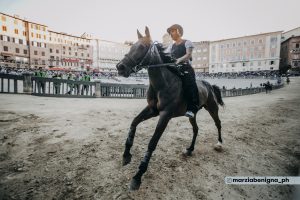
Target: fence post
(27, 84)
(98, 89)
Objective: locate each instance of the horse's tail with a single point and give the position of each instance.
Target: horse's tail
(217, 92)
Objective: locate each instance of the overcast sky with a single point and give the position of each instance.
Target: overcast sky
(117, 20)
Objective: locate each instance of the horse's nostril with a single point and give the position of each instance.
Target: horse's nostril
(121, 67)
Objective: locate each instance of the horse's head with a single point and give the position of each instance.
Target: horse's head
(136, 57)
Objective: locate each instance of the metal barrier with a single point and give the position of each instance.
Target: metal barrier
(51, 87)
(123, 90)
(247, 91)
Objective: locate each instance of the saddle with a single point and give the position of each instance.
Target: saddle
(176, 69)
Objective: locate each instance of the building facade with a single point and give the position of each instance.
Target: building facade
(107, 54)
(290, 52)
(68, 51)
(14, 45)
(200, 56)
(25, 44)
(249, 53)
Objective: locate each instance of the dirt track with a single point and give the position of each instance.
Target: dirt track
(72, 148)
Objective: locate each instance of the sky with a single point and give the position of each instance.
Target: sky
(118, 20)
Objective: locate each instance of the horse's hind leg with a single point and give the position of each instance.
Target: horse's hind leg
(195, 133)
(147, 113)
(214, 113)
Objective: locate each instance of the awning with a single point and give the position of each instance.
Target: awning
(58, 69)
(6, 54)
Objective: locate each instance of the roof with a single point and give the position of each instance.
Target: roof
(22, 19)
(269, 33)
(68, 35)
(291, 30)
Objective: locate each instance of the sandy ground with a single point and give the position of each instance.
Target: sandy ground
(55, 148)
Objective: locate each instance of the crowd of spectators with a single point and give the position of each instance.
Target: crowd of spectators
(77, 75)
(233, 75)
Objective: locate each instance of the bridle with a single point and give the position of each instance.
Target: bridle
(143, 65)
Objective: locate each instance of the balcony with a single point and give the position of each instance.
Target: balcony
(295, 50)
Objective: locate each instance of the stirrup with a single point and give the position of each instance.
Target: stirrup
(189, 114)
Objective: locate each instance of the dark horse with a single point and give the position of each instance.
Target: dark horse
(165, 98)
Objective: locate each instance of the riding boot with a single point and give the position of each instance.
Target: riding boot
(190, 89)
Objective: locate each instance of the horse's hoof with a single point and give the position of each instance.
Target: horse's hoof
(135, 184)
(187, 153)
(218, 147)
(126, 159)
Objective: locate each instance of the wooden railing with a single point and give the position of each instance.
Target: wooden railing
(62, 88)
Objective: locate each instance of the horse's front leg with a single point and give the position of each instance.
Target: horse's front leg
(146, 113)
(161, 125)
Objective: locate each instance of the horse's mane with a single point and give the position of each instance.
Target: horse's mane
(165, 56)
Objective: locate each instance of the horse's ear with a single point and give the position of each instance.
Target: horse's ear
(139, 34)
(147, 32)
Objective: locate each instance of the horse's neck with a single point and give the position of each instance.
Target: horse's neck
(160, 77)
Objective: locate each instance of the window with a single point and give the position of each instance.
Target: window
(50, 50)
(272, 62)
(1, 37)
(43, 53)
(25, 51)
(82, 54)
(4, 28)
(297, 45)
(88, 55)
(24, 33)
(272, 54)
(32, 35)
(57, 51)
(20, 41)
(17, 50)
(3, 18)
(43, 62)
(273, 39)
(75, 53)
(69, 48)
(16, 31)
(5, 48)
(244, 64)
(44, 37)
(35, 53)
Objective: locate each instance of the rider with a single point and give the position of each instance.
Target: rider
(182, 51)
